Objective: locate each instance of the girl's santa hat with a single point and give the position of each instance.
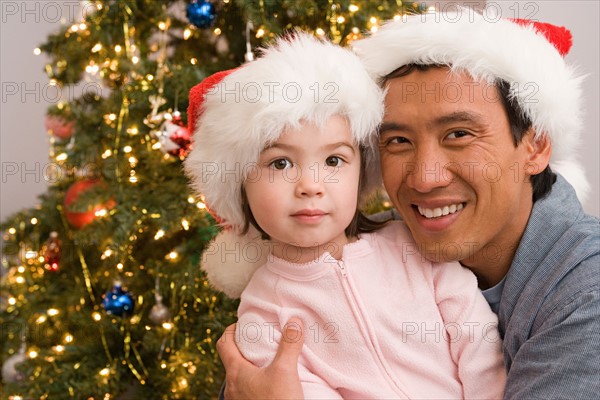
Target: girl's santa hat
(236, 114)
(527, 55)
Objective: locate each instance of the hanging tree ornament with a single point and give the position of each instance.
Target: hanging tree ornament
(201, 13)
(52, 251)
(118, 301)
(159, 313)
(174, 136)
(79, 219)
(58, 126)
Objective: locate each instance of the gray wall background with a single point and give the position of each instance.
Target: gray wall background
(24, 143)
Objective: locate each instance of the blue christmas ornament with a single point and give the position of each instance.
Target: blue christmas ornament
(118, 302)
(201, 13)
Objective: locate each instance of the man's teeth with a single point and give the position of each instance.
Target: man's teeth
(440, 211)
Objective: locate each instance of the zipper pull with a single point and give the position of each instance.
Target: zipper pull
(342, 268)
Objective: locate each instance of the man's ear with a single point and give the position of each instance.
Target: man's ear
(538, 148)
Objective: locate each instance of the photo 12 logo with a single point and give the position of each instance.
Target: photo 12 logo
(47, 11)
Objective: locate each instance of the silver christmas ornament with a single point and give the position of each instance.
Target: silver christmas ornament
(159, 313)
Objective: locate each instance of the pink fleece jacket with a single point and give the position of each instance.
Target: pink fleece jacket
(381, 323)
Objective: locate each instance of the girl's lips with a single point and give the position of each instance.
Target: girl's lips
(309, 212)
(309, 216)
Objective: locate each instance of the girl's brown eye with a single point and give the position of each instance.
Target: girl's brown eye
(333, 161)
(281, 163)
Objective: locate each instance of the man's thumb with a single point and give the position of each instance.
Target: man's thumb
(292, 339)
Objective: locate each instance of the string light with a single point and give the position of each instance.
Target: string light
(159, 234)
(30, 254)
(37, 51)
(260, 33)
(52, 312)
(62, 157)
(34, 221)
(118, 48)
(97, 47)
(187, 33)
(106, 154)
(353, 8)
(104, 372)
(320, 32)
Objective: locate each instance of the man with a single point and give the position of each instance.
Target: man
(479, 117)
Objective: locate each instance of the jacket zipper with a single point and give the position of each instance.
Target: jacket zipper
(359, 316)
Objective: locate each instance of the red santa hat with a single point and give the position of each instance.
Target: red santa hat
(234, 115)
(526, 54)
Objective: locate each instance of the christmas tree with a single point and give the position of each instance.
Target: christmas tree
(102, 295)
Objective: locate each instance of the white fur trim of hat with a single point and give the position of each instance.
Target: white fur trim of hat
(525, 54)
(299, 78)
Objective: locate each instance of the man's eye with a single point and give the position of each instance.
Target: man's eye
(281, 163)
(333, 161)
(396, 140)
(457, 134)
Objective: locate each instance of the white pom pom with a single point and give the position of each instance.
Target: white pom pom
(231, 260)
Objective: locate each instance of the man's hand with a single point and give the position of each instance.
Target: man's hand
(279, 380)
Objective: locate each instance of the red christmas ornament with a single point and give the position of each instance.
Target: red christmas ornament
(59, 127)
(79, 219)
(52, 250)
(175, 138)
(182, 138)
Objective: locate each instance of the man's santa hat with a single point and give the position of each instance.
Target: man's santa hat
(527, 55)
(234, 115)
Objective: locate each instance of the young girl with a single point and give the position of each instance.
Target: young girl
(283, 145)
